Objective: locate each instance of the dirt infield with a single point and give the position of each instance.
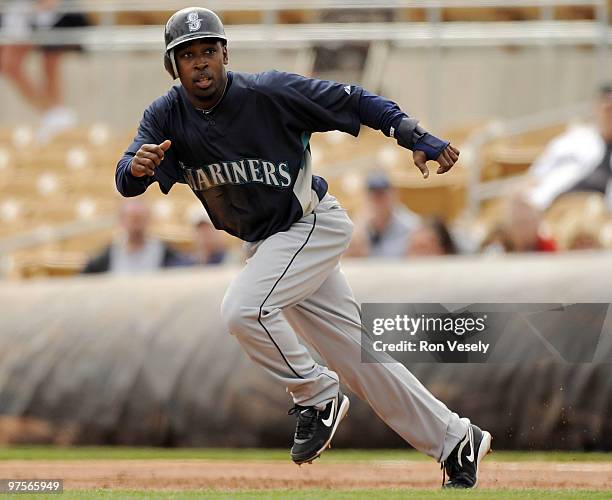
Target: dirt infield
(225, 475)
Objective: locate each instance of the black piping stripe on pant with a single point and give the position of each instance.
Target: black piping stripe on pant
(314, 223)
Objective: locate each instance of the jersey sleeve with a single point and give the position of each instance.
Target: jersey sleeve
(150, 131)
(321, 105)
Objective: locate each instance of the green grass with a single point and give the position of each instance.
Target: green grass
(334, 455)
(331, 494)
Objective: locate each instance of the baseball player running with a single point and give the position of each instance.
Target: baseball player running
(241, 143)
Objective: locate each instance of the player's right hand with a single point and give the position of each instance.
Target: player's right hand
(148, 158)
(446, 160)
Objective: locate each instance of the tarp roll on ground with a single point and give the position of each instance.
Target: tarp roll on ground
(146, 360)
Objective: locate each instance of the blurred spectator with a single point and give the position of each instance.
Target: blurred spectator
(432, 237)
(585, 239)
(134, 250)
(519, 230)
(495, 242)
(577, 160)
(210, 245)
(346, 58)
(384, 228)
(18, 24)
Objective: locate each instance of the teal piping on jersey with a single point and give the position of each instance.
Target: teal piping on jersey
(306, 146)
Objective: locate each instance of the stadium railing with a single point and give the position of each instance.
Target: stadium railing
(283, 5)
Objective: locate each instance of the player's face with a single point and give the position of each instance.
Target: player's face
(201, 67)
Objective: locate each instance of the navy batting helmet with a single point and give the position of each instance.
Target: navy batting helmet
(186, 25)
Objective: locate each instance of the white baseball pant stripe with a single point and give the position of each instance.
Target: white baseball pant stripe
(292, 282)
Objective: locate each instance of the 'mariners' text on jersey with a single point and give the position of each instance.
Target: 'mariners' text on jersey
(243, 171)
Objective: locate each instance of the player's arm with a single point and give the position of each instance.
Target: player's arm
(320, 105)
(149, 158)
(383, 114)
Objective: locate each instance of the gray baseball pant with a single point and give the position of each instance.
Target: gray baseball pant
(292, 282)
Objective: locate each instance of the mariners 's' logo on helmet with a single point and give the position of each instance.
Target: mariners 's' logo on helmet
(193, 21)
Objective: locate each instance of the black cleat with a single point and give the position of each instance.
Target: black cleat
(316, 428)
(462, 464)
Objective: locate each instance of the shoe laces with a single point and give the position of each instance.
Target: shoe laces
(306, 420)
(454, 473)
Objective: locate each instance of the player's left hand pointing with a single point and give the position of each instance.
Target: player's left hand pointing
(147, 158)
(446, 160)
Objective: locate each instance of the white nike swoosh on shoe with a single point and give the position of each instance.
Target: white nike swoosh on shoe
(329, 420)
(469, 438)
(470, 457)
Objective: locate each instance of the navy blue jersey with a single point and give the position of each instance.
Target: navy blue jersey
(248, 160)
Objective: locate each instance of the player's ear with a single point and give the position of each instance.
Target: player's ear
(168, 66)
(225, 58)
